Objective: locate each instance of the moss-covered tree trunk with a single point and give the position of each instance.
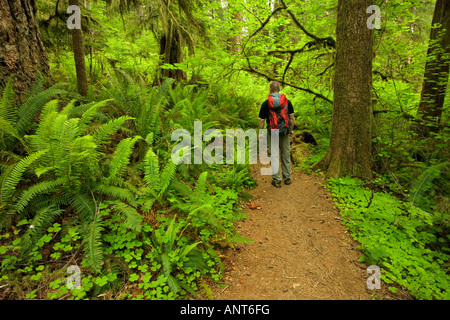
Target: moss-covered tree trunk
(437, 66)
(349, 152)
(22, 52)
(171, 49)
(78, 53)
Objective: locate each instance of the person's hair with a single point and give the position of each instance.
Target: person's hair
(275, 86)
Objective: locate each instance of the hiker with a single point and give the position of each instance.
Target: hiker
(278, 112)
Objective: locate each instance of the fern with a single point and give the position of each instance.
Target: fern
(89, 114)
(40, 139)
(84, 205)
(167, 176)
(41, 221)
(38, 188)
(115, 192)
(151, 169)
(166, 87)
(11, 130)
(92, 243)
(7, 110)
(122, 155)
(424, 182)
(34, 104)
(102, 134)
(11, 179)
(132, 218)
(200, 186)
(8, 115)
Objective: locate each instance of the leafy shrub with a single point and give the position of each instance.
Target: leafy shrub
(411, 245)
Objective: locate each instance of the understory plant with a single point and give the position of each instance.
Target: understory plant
(96, 190)
(410, 245)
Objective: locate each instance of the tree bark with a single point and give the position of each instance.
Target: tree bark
(234, 42)
(22, 52)
(78, 53)
(437, 67)
(171, 49)
(349, 152)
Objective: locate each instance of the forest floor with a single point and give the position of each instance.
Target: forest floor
(300, 249)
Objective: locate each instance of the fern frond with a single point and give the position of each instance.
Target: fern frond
(103, 132)
(173, 283)
(7, 109)
(195, 260)
(8, 127)
(92, 243)
(167, 266)
(89, 114)
(12, 178)
(133, 219)
(33, 105)
(68, 108)
(41, 138)
(188, 249)
(171, 234)
(151, 169)
(41, 221)
(166, 87)
(181, 188)
(425, 180)
(200, 186)
(115, 193)
(42, 200)
(84, 205)
(167, 175)
(121, 156)
(34, 190)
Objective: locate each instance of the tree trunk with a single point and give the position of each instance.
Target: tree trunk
(234, 42)
(78, 53)
(349, 152)
(22, 52)
(171, 49)
(437, 66)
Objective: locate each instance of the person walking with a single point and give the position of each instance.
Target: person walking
(277, 111)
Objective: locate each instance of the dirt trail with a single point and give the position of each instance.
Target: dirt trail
(300, 249)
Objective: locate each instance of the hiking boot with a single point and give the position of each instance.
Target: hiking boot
(276, 184)
(287, 181)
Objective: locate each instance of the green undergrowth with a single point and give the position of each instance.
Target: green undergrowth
(92, 187)
(410, 245)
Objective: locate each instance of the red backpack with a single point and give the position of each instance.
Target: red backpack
(278, 113)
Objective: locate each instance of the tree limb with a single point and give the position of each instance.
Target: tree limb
(263, 24)
(269, 78)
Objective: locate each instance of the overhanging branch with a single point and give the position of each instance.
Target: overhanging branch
(269, 78)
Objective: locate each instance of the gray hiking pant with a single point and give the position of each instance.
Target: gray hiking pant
(284, 157)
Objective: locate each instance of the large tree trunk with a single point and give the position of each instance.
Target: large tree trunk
(78, 52)
(349, 153)
(171, 48)
(22, 53)
(437, 66)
